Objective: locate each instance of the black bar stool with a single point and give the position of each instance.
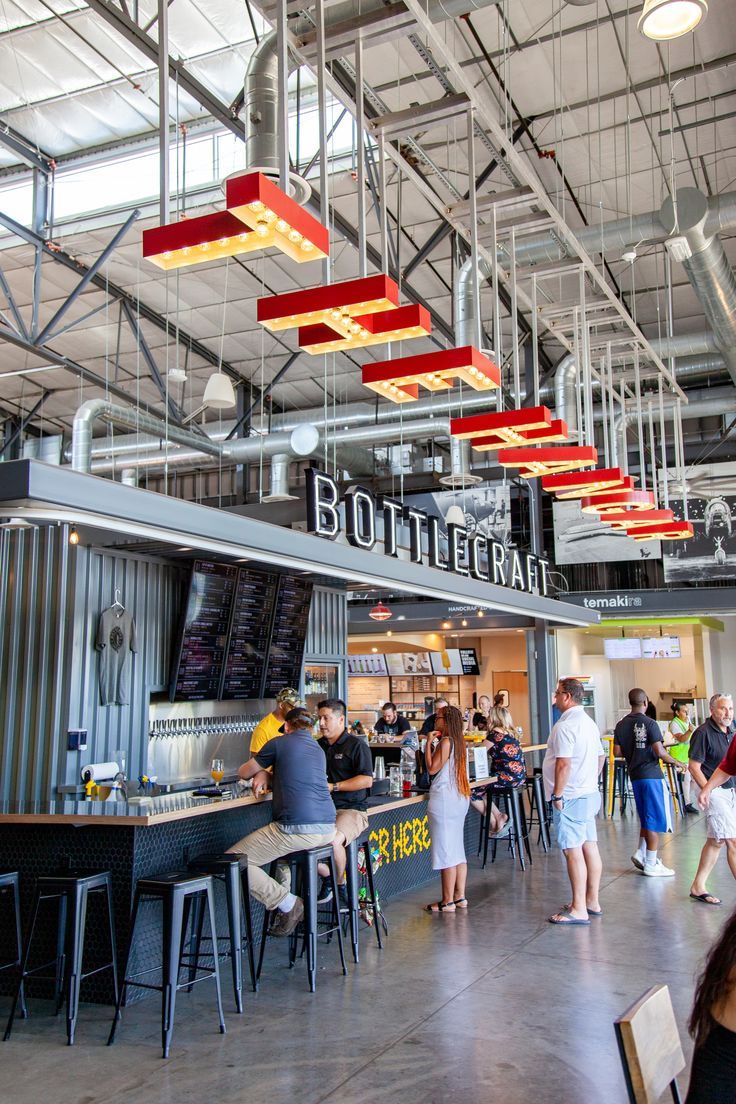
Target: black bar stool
(232, 872)
(176, 892)
(305, 883)
(620, 784)
(518, 829)
(10, 886)
(538, 808)
(71, 890)
(352, 879)
(677, 790)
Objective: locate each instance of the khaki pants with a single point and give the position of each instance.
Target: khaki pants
(269, 843)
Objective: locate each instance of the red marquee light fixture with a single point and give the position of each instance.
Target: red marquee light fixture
(368, 329)
(633, 519)
(533, 462)
(334, 304)
(258, 216)
(616, 501)
(672, 530)
(588, 483)
(399, 380)
(511, 428)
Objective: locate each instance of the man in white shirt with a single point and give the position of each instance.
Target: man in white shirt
(571, 768)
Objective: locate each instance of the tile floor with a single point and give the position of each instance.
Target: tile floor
(492, 1005)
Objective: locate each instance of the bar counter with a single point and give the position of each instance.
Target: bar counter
(134, 841)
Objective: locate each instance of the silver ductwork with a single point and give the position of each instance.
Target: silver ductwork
(710, 403)
(459, 474)
(619, 235)
(708, 268)
(279, 489)
(89, 412)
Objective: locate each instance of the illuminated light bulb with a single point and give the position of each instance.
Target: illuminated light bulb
(204, 246)
(242, 237)
(282, 226)
(307, 246)
(73, 535)
(262, 228)
(336, 315)
(167, 254)
(270, 216)
(294, 236)
(256, 205)
(364, 334)
(186, 250)
(355, 327)
(663, 20)
(224, 241)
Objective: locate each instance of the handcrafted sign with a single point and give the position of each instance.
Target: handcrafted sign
(471, 554)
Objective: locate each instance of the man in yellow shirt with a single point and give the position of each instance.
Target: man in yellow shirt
(272, 723)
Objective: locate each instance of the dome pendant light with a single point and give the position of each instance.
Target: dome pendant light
(380, 612)
(662, 20)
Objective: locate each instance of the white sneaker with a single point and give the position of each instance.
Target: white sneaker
(637, 860)
(657, 870)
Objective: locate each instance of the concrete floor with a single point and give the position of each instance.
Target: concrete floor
(490, 1005)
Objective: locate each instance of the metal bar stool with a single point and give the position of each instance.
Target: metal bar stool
(10, 885)
(620, 783)
(304, 865)
(352, 879)
(674, 781)
(519, 832)
(232, 872)
(71, 890)
(176, 892)
(538, 808)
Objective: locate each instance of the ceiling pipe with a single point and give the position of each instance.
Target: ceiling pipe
(707, 266)
(711, 403)
(621, 234)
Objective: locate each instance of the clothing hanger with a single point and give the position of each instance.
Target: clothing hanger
(117, 604)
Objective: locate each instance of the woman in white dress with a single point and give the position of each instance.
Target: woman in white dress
(449, 798)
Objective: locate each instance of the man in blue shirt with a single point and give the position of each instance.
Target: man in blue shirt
(303, 815)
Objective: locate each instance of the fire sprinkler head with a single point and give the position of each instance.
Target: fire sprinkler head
(629, 256)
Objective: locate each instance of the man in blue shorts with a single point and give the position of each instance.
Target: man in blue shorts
(639, 740)
(571, 768)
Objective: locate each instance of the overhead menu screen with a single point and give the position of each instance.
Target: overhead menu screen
(201, 656)
(288, 634)
(455, 661)
(245, 662)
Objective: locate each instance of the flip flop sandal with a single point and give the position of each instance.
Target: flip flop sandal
(705, 899)
(438, 906)
(461, 902)
(568, 921)
(591, 912)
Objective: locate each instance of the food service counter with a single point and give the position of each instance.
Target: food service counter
(133, 841)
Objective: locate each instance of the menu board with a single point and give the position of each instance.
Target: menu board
(245, 662)
(201, 657)
(364, 665)
(408, 663)
(660, 647)
(455, 661)
(617, 647)
(288, 634)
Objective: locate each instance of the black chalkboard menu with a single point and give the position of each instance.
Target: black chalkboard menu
(200, 661)
(288, 634)
(245, 663)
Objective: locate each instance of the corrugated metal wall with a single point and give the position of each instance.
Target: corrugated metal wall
(36, 644)
(327, 633)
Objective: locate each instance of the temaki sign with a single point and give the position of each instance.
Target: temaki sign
(471, 554)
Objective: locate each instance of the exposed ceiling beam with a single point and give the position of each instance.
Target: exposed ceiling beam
(25, 150)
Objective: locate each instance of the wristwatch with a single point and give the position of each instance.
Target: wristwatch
(335, 786)
(557, 797)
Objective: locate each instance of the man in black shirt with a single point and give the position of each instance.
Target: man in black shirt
(391, 723)
(639, 740)
(430, 725)
(349, 777)
(708, 745)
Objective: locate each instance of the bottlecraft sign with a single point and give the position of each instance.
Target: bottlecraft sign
(471, 554)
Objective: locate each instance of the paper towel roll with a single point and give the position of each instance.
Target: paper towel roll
(99, 771)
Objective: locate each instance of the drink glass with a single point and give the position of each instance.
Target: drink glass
(217, 770)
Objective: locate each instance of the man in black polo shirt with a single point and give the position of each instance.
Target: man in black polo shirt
(430, 723)
(349, 777)
(391, 722)
(708, 746)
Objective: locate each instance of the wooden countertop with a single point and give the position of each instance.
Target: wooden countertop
(161, 810)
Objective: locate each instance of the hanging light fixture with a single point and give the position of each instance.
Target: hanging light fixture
(399, 380)
(219, 394)
(380, 612)
(258, 216)
(533, 462)
(73, 535)
(663, 20)
(369, 329)
(670, 530)
(616, 501)
(633, 519)
(511, 428)
(587, 483)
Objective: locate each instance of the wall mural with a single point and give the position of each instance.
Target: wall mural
(711, 554)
